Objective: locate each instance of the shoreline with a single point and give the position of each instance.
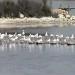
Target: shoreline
(35, 22)
(24, 26)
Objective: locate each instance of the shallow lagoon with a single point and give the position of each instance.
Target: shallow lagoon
(24, 59)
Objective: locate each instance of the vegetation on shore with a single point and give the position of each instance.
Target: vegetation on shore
(28, 8)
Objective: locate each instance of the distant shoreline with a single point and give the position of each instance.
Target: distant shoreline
(35, 22)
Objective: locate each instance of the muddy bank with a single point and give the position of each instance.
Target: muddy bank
(35, 22)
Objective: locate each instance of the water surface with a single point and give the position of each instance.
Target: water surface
(24, 59)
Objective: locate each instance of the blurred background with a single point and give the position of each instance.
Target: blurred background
(35, 8)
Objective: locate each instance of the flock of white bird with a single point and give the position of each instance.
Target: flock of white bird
(36, 39)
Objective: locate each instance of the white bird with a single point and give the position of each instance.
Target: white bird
(28, 40)
(46, 34)
(55, 40)
(67, 37)
(23, 33)
(39, 41)
(72, 37)
(51, 35)
(2, 36)
(23, 38)
(15, 34)
(10, 35)
(61, 36)
(36, 35)
(57, 36)
(21, 15)
(31, 35)
(40, 36)
(6, 34)
(19, 35)
(49, 40)
(14, 37)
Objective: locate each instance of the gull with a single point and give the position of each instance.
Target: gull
(46, 34)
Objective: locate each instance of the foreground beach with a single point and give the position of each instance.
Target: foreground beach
(35, 22)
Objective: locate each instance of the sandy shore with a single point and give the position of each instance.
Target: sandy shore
(34, 22)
